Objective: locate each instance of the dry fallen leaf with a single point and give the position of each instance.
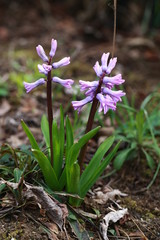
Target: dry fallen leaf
(102, 196)
(56, 211)
(112, 216)
(53, 210)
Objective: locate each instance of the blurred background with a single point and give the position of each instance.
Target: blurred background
(84, 30)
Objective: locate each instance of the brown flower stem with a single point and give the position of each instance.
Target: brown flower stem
(50, 112)
(90, 122)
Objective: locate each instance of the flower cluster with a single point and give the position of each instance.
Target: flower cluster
(102, 89)
(47, 66)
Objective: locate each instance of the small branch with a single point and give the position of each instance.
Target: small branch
(115, 27)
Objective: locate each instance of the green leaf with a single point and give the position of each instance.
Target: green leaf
(63, 179)
(30, 136)
(56, 149)
(61, 136)
(74, 151)
(47, 170)
(139, 125)
(2, 186)
(86, 185)
(45, 130)
(73, 184)
(96, 160)
(150, 160)
(78, 229)
(121, 158)
(17, 174)
(69, 136)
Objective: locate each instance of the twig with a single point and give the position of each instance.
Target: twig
(115, 27)
(145, 238)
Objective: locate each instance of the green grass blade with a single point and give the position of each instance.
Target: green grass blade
(30, 136)
(96, 160)
(86, 185)
(17, 174)
(150, 160)
(47, 170)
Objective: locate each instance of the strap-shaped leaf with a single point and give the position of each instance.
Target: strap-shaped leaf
(17, 174)
(150, 160)
(73, 184)
(45, 130)
(63, 179)
(97, 158)
(121, 158)
(47, 170)
(30, 136)
(61, 136)
(86, 185)
(74, 151)
(56, 149)
(69, 137)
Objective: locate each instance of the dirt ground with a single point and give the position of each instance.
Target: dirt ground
(22, 28)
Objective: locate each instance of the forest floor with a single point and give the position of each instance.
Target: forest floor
(138, 61)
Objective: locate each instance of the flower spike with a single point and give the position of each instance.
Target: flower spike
(102, 89)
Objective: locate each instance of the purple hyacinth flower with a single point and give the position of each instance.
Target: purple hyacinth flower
(30, 86)
(77, 105)
(115, 95)
(116, 80)
(53, 48)
(98, 69)
(65, 83)
(44, 68)
(63, 62)
(41, 53)
(106, 103)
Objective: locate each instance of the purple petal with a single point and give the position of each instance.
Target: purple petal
(41, 53)
(115, 95)
(84, 85)
(30, 86)
(65, 83)
(111, 65)
(44, 68)
(53, 48)
(104, 61)
(106, 103)
(97, 68)
(77, 105)
(63, 62)
(91, 92)
(117, 80)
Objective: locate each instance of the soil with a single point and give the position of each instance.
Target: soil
(23, 27)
